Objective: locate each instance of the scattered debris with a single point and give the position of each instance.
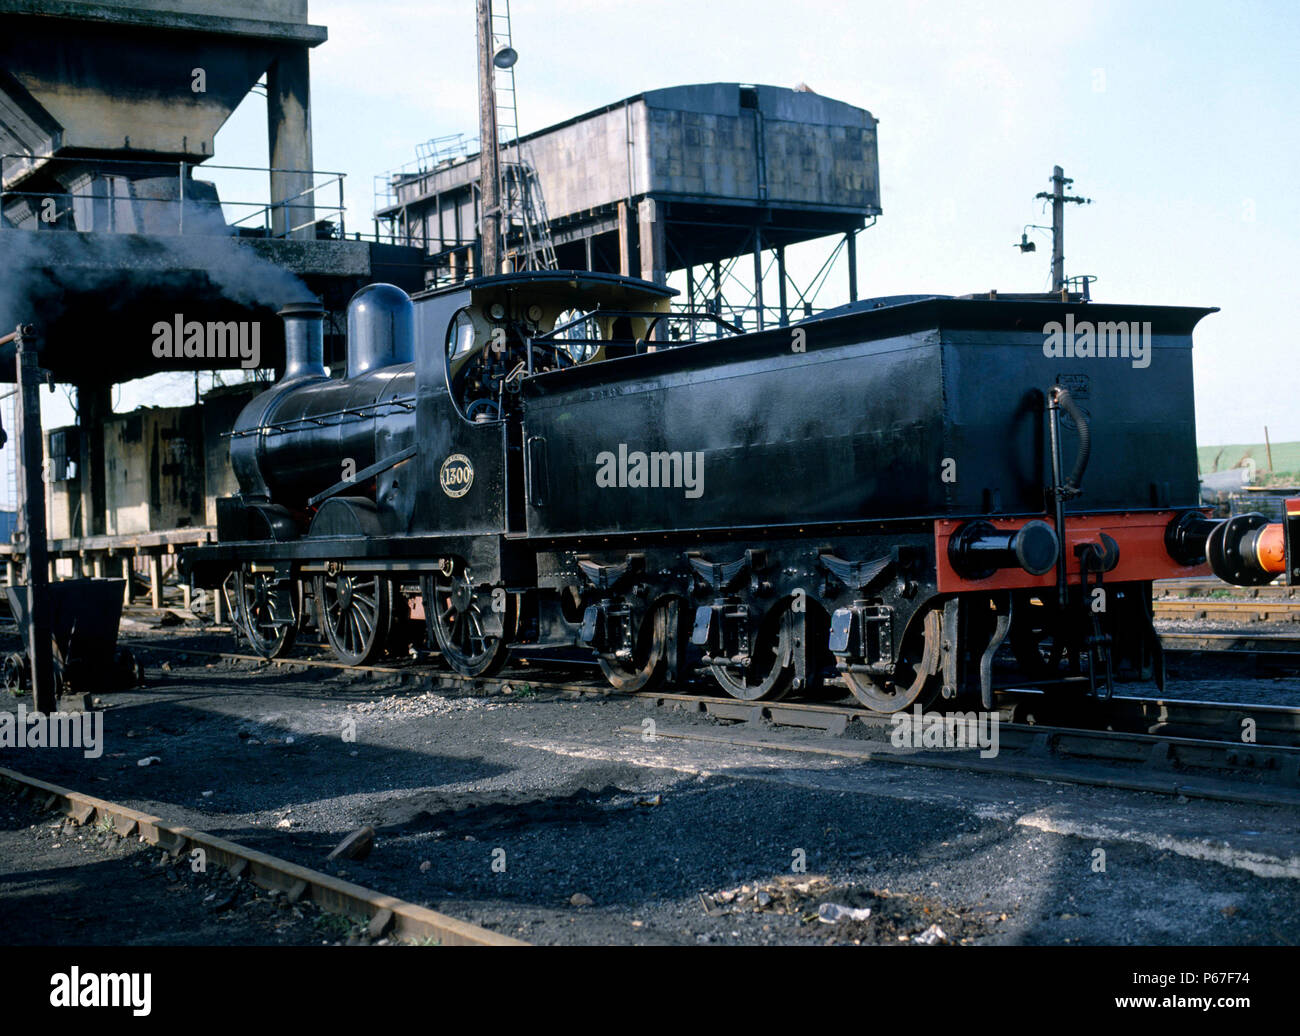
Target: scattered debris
(579, 899)
(356, 846)
(650, 800)
(420, 705)
(711, 909)
(226, 902)
(831, 913)
(858, 913)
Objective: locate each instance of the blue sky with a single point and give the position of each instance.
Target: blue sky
(1178, 119)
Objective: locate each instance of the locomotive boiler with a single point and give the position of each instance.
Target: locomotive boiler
(899, 493)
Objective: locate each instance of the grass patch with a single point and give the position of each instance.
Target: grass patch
(334, 924)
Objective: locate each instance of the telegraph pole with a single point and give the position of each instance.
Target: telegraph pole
(1058, 198)
(31, 509)
(489, 154)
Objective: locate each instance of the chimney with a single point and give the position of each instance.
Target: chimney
(304, 340)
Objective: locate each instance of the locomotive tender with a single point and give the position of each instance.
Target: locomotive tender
(879, 492)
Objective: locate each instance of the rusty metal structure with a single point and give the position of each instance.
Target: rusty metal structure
(709, 182)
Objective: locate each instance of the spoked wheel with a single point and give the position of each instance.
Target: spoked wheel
(472, 636)
(916, 680)
(649, 661)
(268, 614)
(356, 614)
(769, 671)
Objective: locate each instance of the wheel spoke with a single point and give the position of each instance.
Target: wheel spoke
(455, 622)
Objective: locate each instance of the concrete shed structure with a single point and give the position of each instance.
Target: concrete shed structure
(139, 83)
(109, 110)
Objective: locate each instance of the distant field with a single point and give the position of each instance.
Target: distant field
(1286, 459)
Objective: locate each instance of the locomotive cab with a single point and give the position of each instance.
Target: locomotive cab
(507, 328)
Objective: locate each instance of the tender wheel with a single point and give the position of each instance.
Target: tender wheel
(649, 662)
(268, 615)
(916, 679)
(768, 673)
(472, 635)
(356, 615)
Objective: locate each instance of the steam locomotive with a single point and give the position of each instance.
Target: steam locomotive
(557, 460)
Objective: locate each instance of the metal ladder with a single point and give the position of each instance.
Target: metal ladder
(523, 206)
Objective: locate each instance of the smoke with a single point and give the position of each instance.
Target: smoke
(41, 270)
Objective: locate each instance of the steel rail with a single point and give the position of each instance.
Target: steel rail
(385, 915)
(1258, 742)
(1236, 643)
(1261, 610)
(1047, 758)
(1167, 712)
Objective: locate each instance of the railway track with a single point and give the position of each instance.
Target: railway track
(384, 915)
(1277, 646)
(1261, 610)
(1213, 750)
(1197, 588)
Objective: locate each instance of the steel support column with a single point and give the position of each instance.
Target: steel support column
(851, 246)
(31, 487)
(780, 272)
(690, 296)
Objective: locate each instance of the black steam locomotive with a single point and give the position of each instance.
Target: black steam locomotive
(894, 491)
